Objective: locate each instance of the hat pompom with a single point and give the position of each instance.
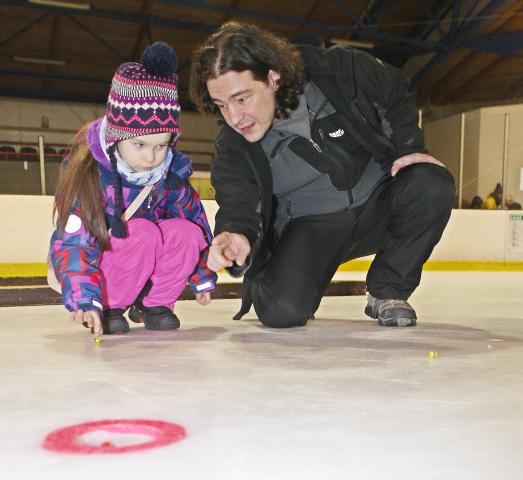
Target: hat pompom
(159, 59)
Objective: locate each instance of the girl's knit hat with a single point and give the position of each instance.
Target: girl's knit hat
(143, 100)
(144, 96)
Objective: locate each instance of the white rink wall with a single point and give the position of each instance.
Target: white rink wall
(471, 235)
(27, 225)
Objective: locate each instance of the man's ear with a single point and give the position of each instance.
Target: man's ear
(273, 78)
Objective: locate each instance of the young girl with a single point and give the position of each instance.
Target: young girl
(104, 263)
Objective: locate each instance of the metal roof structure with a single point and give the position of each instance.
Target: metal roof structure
(453, 51)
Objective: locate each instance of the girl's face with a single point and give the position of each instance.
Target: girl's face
(146, 152)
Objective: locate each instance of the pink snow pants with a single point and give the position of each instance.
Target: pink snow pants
(167, 253)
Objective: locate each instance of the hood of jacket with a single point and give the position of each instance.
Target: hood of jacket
(181, 168)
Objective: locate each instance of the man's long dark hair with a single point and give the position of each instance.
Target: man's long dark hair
(240, 47)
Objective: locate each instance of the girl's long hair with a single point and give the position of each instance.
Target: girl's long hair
(79, 184)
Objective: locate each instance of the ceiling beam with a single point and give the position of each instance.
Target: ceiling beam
(117, 16)
(145, 27)
(456, 10)
(285, 19)
(228, 17)
(374, 11)
(347, 11)
(427, 11)
(69, 97)
(439, 9)
(96, 37)
(54, 76)
(53, 42)
(400, 54)
(468, 13)
(24, 29)
(199, 4)
(367, 23)
(485, 67)
(48, 95)
(505, 43)
(455, 40)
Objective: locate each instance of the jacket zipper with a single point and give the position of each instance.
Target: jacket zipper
(315, 145)
(279, 143)
(149, 200)
(314, 116)
(322, 136)
(333, 158)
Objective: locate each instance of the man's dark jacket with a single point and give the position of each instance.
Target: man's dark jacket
(377, 109)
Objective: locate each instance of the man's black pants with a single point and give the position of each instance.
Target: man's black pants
(401, 223)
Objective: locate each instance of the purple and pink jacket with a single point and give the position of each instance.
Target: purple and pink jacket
(76, 256)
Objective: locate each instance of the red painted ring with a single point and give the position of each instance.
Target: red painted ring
(65, 439)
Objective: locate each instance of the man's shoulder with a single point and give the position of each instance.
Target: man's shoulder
(339, 61)
(232, 148)
(228, 138)
(325, 59)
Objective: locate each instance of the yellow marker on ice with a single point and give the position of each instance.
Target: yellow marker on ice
(433, 354)
(97, 340)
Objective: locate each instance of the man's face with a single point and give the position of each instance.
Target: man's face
(247, 105)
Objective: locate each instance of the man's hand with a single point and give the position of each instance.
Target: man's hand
(203, 298)
(91, 318)
(226, 249)
(413, 158)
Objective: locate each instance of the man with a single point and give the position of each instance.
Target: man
(493, 200)
(510, 204)
(320, 160)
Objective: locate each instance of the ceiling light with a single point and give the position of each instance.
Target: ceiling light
(352, 43)
(60, 4)
(41, 61)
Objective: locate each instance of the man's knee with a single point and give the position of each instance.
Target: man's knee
(286, 302)
(283, 315)
(431, 185)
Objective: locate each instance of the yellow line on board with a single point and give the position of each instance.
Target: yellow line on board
(478, 266)
(23, 269)
(363, 266)
(40, 269)
(25, 287)
(355, 266)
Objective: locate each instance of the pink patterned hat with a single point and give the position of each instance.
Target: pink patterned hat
(144, 97)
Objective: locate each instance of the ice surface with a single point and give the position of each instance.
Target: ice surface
(338, 399)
